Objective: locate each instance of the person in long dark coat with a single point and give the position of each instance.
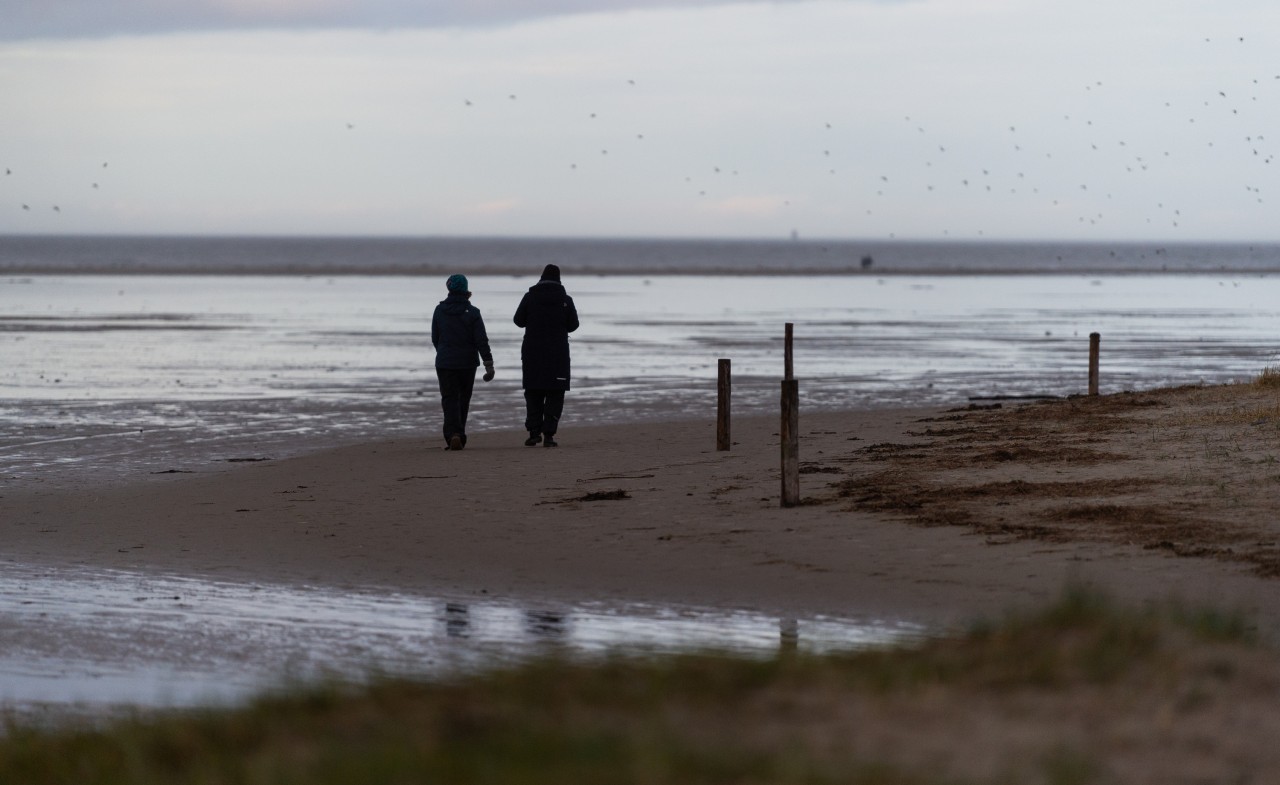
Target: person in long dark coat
(548, 315)
(458, 334)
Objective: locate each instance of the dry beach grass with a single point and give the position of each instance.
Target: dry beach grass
(1193, 471)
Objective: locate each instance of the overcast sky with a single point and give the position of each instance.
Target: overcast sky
(932, 119)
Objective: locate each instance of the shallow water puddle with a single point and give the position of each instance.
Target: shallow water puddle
(85, 638)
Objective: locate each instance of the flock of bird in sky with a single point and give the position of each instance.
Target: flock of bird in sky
(1037, 172)
(1028, 170)
(8, 172)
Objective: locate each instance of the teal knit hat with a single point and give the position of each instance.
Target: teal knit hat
(456, 283)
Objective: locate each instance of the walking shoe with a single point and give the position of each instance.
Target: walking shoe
(549, 442)
(533, 440)
(455, 442)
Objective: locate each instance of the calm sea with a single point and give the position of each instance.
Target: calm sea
(391, 255)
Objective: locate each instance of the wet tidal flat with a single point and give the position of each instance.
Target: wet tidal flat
(124, 375)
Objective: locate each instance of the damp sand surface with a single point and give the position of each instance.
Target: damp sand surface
(620, 518)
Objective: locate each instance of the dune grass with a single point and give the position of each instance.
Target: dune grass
(698, 718)
(1269, 378)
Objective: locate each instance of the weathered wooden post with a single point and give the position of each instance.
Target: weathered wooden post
(1095, 340)
(789, 432)
(722, 407)
(789, 368)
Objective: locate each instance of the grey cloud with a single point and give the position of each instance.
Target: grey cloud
(25, 19)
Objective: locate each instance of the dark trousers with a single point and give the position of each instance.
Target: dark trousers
(542, 410)
(455, 397)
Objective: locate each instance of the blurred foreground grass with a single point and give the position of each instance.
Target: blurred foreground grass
(706, 718)
(1268, 378)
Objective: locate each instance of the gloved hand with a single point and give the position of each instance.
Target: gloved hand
(488, 372)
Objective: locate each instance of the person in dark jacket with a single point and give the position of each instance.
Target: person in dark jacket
(548, 315)
(457, 332)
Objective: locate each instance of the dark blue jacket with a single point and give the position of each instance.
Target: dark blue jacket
(457, 332)
(547, 315)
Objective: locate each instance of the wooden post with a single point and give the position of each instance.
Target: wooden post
(789, 367)
(790, 433)
(722, 407)
(1094, 340)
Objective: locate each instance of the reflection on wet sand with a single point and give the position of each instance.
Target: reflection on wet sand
(457, 621)
(788, 635)
(547, 625)
(112, 637)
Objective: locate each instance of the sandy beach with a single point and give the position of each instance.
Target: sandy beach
(922, 515)
(935, 517)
